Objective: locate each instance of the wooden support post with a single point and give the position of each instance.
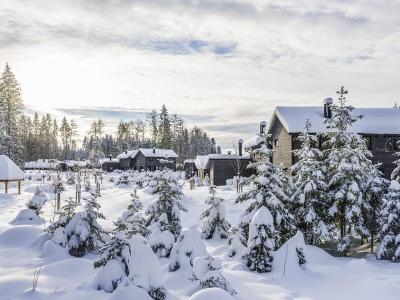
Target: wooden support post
(19, 187)
(58, 201)
(6, 186)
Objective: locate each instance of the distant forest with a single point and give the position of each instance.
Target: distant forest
(26, 138)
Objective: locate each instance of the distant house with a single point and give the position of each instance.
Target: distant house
(380, 128)
(148, 159)
(110, 164)
(189, 166)
(221, 167)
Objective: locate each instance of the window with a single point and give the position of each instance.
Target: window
(276, 143)
(392, 144)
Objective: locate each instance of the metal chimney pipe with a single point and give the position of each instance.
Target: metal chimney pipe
(240, 145)
(327, 107)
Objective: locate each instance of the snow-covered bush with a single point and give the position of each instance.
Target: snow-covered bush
(188, 246)
(266, 189)
(293, 251)
(259, 253)
(164, 214)
(389, 235)
(70, 178)
(37, 201)
(236, 242)
(309, 198)
(83, 231)
(207, 272)
(213, 218)
(123, 179)
(211, 294)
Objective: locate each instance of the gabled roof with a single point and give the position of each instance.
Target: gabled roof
(374, 121)
(127, 154)
(162, 153)
(159, 153)
(9, 170)
(202, 161)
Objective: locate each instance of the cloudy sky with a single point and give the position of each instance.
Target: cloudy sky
(222, 64)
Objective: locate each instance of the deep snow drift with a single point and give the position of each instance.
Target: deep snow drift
(23, 248)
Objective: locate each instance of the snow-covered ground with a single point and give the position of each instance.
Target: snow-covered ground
(65, 277)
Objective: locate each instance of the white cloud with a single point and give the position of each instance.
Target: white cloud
(234, 60)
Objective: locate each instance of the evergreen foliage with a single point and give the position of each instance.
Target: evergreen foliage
(213, 219)
(309, 198)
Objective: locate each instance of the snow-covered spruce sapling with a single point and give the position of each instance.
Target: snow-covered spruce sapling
(207, 181)
(164, 214)
(83, 231)
(188, 246)
(56, 230)
(266, 189)
(213, 219)
(129, 262)
(37, 201)
(236, 242)
(309, 198)
(207, 271)
(132, 221)
(375, 194)
(259, 253)
(114, 263)
(389, 235)
(348, 163)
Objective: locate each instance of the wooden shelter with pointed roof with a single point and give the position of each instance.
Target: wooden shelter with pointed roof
(10, 172)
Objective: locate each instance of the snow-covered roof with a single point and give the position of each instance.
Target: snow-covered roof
(189, 161)
(9, 170)
(374, 121)
(79, 163)
(255, 141)
(104, 160)
(127, 154)
(201, 162)
(42, 164)
(164, 153)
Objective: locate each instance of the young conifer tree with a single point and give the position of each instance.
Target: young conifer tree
(164, 214)
(213, 219)
(389, 235)
(309, 197)
(348, 163)
(266, 189)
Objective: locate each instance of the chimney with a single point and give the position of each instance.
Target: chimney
(154, 150)
(240, 144)
(327, 107)
(263, 125)
(229, 152)
(110, 157)
(126, 151)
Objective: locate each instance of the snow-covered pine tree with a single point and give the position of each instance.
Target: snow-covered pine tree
(129, 262)
(207, 271)
(348, 165)
(83, 231)
(132, 221)
(114, 263)
(164, 214)
(259, 253)
(375, 194)
(213, 219)
(389, 235)
(236, 242)
(309, 197)
(11, 107)
(266, 189)
(56, 230)
(396, 172)
(188, 246)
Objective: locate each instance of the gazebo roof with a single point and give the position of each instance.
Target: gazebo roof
(9, 170)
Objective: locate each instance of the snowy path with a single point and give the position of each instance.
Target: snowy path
(64, 277)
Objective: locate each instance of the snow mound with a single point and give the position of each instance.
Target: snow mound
(211, 294)
(291, 257)
(23, 235)
(27, 217)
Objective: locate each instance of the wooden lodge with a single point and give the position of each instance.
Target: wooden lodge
(148, 159)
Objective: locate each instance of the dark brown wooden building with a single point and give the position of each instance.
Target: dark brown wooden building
(379, 126)
(148, 159)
